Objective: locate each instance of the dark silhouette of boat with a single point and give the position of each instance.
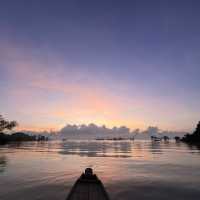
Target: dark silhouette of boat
(88, 187)
(156, 139)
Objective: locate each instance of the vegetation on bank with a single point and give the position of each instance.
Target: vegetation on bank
(193, 138)
(20, 137)
(15, 137)
(6, 125)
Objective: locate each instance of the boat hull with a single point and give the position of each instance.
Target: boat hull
(88, 189)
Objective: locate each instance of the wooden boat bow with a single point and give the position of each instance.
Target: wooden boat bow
(88, 187)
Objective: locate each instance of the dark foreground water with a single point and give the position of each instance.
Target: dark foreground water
(129, 170)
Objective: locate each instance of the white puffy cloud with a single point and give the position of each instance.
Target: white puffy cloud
(93, 131)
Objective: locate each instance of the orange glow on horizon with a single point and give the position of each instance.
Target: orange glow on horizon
(47, 95)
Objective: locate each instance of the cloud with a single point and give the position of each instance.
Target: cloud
(93, 131)
(155, 131)
(151, 130)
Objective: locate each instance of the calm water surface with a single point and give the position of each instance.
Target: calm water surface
(129, 169)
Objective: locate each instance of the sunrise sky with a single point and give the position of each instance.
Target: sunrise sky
(132, 63)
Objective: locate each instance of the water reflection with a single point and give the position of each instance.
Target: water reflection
(3, 163)
(194, 147)
(97, 149)
(155, 147)
(84, 148)
(129, 169)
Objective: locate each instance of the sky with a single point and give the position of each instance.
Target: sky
(131, 63)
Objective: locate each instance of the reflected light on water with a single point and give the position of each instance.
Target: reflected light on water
(139, 169)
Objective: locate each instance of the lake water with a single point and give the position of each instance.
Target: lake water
(129, 169)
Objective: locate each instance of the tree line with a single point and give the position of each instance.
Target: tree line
(6, 125)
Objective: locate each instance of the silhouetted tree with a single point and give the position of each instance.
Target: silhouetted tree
(197, 131)
(166, 138)
(194, 137)
(6, 125)
(42, 138)
(177, 138)
(17, 136)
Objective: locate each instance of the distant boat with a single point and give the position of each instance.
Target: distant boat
(100, 139)
(88, 187)
(156, 139)
(115, 138)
